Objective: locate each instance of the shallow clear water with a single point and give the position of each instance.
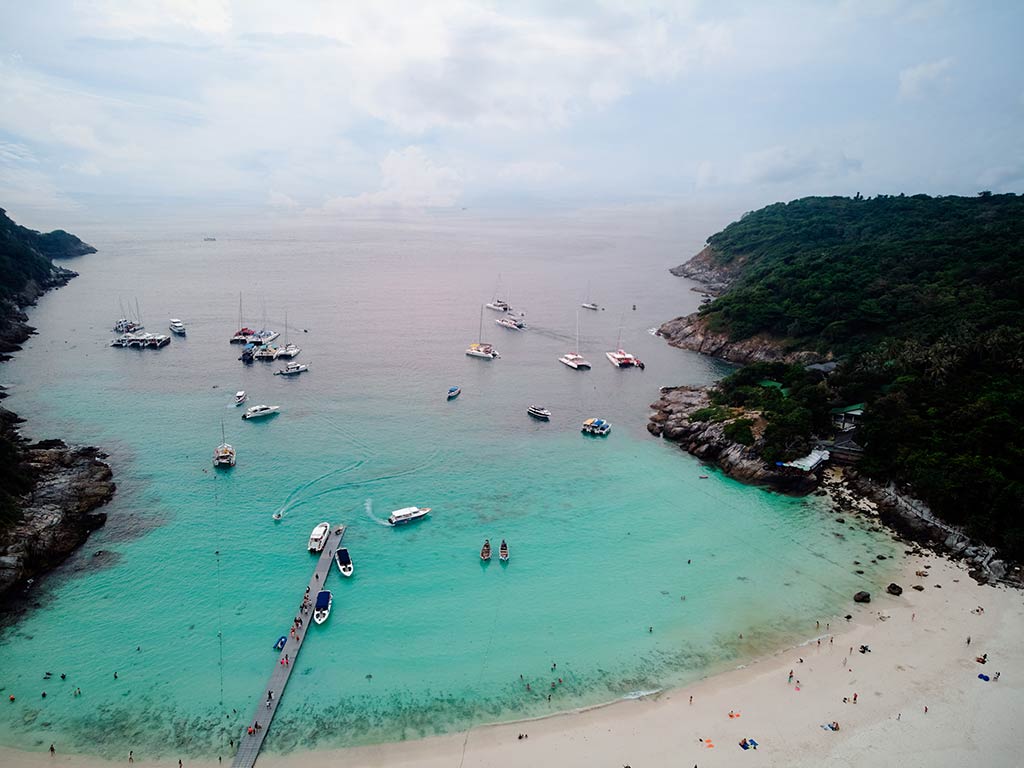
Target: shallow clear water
(190, 583)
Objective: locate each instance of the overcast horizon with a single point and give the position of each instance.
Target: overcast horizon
(111, 110)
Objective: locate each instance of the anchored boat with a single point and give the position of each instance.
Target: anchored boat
(596, 427)
(322, 608)
(485, 550)
(260, 411)
(503, 552)
(292, 369)
(319, 537)
(344, 562)
(454, 392)
(539, 412)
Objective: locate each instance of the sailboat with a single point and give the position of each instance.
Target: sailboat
(588, 304)
(243, 333)
(288, 350)
(622, 359)
(498, 305)
(479, 349)
(223, 454)
(575, 359)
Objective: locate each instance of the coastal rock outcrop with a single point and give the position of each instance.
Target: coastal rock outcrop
(894, 589)
(862, 597)
(678, 417)
(692, 332)
(708, 268)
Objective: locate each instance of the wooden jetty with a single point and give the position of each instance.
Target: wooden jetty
(250, 744)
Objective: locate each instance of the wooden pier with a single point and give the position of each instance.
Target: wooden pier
(250, 744)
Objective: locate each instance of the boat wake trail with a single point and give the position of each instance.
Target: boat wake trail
(368, 507)
(293, 499)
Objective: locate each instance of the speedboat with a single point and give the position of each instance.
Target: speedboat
(574, 360)
(485, 351)
(485, 550)
(259, 411)
(622, 359)
(498, 305)
(177, 326)
(454, 392)
(407, 515)
(596, 427)
(224, 455)
(289, 351)
(319, 536)
(265, 352)
(503, 552)
(589, 305)
(539, 412)
(240, 397)
(292, 369)
(322, 607)
(344, 561)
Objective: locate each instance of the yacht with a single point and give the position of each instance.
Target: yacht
(322, 607)
(454, 392)
(574, 359)
(539, 412)
(478, 348)
(224, 455)
(344, 561)
(407, 515)
(512, 322)
(264, 352)
(177, 326)
(503, 552)
(485, 550)
(240, 397)
(589, 305)
(292, 369)
(596, 427)
(319, 537)
(289, 350)
(259, 411)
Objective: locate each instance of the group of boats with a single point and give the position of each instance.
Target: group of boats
(590, 426)
(485, 551)
(131, 332)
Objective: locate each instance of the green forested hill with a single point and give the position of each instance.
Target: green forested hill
(25, 254)
(923, 301)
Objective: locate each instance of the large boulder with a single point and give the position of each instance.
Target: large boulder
(894, 589)
(862, 597)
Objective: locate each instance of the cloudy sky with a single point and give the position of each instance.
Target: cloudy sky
(109, 107)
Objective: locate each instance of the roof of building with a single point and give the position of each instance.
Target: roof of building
(855, 408)
(810, 462)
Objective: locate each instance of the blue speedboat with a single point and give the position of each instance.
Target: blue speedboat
(279, 645)
(454, 392)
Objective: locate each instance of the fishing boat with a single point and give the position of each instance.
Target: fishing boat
(240, 397)
(344, 562)
(596, 427)
(407, 515)
(485, 550)
(478, 348)
(177, 327)
(322, 607)
(574, 359)
(454, 392)
(539, 412)
(319, 536)
(503, 552)
(292, 369)
(260, 411)
(223, 454)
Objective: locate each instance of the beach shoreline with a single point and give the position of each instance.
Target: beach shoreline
(919, 658)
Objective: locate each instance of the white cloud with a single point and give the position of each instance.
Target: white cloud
(781, 164)
(277, 199)
(409, 179)
(917, 82)
(532, 172)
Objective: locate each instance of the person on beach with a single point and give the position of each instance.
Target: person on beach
(968, 639)
(131, 756)
(53, 751)
(790, 681)
(855, 698)
(691, 700)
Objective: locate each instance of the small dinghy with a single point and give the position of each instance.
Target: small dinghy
(344, 561)
(485, 551)
(322, 608)
(503, 551)
(454, 392)
(279, 645)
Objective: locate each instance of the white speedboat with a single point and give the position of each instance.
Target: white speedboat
(407, 515)
(259, 411)
(539, 412)
(240, 397)
(319, 536)
(596, 427)
(224, 455)
(292, 369)
(344, 562)
(177, 326)
(485, 550)
(574, 359)
(322, 607)
(289, 351)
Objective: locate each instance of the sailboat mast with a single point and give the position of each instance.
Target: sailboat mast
(480, 332)
(240, 326)
(138, 314)
(577, 331)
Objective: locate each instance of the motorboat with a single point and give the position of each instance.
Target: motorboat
(177, 327)
(259, 411)
(589, 305)
(482, 350)
(512, 322)
(282, 641)
(485, 550)
(322, 607)
(574, 359)
(224, 455)
(240, 397)
(319, 536)
(265, 352)
(503, 552)
(289, 351)
(539, 412)
(344, 562)
(596, 427)
(622, 359)
(292, 369)
(247, 353)
(454, 392)
(407, 515)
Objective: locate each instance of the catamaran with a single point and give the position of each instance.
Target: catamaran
(575, 359)
(288, 350)
(223, 454)
(622, 359)
(478, 348)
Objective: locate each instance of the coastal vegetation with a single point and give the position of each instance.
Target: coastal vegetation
(921, 301)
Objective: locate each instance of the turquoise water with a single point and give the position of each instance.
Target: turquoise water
(187, 587)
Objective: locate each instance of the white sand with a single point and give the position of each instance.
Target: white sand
(915, 662)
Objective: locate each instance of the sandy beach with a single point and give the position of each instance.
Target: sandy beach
(919, 659)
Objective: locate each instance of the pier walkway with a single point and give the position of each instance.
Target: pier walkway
(250, 744)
